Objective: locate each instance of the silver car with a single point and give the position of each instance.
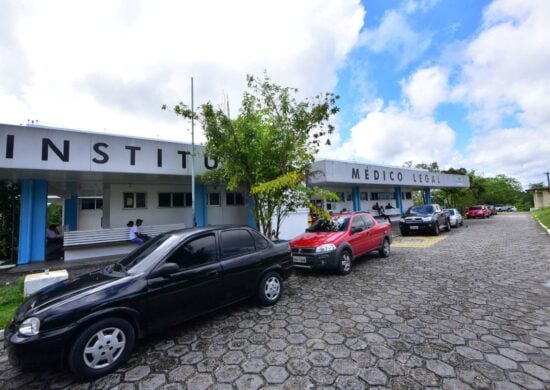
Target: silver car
(455, 217)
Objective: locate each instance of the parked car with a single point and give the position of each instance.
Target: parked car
(455, 217)
(479, 211)
(335, 243)
(424, 218)
(511, 208)
(492, 209)
(90, 322)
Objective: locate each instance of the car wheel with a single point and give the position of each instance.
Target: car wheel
(385, 250)
(270, 289)
(448, 226)
(101, 347)
(344, 264)
(461, 222)
(436, 229)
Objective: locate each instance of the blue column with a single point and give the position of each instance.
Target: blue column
(32, 222)
(250, 217)
(201, 205)
(399, 199)
(71, 213)
(427, 195)
(356, 197)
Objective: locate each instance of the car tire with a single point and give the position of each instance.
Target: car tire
(384, 251)
(461, 223)
(270, 289)
(107, 339)
(448, 226)
(436, 229)
(344, 262)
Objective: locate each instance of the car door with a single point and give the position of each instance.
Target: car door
(359, 239)
(240, 263)
(374, 233)
(190, 291)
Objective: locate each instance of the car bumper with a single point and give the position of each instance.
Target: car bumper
(325, 260)
(416, 227)
(46, 349)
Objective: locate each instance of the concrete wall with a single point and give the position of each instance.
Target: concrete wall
(541, 198)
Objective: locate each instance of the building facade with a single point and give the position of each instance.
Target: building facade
(103, 181)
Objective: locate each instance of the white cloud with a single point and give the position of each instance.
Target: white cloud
(506, 82)
(396, 36)
(112, 64)
(426, 89)
(394, 135)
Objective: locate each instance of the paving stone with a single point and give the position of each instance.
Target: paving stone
(440, 368)
(537, 371)
(249, 382)
(152, 382)
(469, 353)
(200, 382)
(501, 361)
(227, 374)
(137, 373)
(374, 376)
(275, 374)
(525, 380)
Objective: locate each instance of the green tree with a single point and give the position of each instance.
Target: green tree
(55, 213)
(269, 148)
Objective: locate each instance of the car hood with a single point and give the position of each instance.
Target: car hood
(315, 239)
(69, 290)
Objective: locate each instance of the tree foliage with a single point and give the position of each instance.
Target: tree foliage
(269, 148)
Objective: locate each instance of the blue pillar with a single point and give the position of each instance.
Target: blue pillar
(201, 205)
(427, 195)
(356, 197)
(32, 223)
(71, 213)
(250, 217)
(399, 199)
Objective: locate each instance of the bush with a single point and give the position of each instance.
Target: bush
(11, 296)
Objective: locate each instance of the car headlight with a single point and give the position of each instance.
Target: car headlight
(402, 220)
(325, 248)
(426, 219)
(30, 327)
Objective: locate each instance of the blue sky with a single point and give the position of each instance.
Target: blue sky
(465, 83)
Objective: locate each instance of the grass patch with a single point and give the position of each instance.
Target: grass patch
(11, 296)
(543, 215)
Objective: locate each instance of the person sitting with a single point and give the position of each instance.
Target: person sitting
(389, 206)
(53, 236)
(135, 235)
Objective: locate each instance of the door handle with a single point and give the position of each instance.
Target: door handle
(212, 273)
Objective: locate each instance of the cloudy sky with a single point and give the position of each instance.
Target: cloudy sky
(464, 83)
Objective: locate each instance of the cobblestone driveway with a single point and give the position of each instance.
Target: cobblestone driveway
(471, 311)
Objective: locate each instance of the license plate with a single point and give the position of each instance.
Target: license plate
(413, 227)
(299, 259)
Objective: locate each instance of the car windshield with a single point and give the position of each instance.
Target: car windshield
(142, 257)
(451, 212)
(336, 224)
(421, 210)
(475, 208)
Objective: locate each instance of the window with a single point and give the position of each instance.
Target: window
(261, 241)
(406, 195)
(382, 195)
(195, 252)
(364, 196)
(236, 242)
(341, 196)
(175, 199)
(368, 221)
(348, 196)
(213, 199)
(358, 222)
(91, 204)
(234, 199)
(134, 200)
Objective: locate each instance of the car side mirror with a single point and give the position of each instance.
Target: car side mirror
(164, 270)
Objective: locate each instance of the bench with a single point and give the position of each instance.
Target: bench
(85, 244)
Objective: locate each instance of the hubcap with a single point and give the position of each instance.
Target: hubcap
(386, 248)
(272, 288)
(346, 262)
(104, 348)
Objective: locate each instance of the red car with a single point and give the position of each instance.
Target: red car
(478, 212)
(335, 243)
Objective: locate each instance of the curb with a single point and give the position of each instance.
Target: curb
(540, 223)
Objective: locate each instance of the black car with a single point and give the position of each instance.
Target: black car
(429, 218)
(91, 322)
